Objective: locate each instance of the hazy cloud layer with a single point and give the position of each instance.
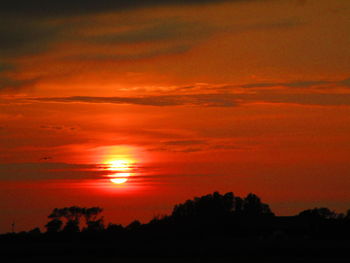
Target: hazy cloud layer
(168, 29)
(6, 67)
(47, 171)
(10, 84)
(133, 56)
(190, 146)
(212, 100)
(44, 171)
(293, 84)
(42, 30)
(27, 36)
(217, 100)
(34, 28)
(184, 142)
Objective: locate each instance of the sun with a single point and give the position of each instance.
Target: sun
(119, 165)
(122, 169)
(119, 180)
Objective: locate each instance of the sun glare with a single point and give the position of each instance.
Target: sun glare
(122, 169)
(119, 180)
(119, 165)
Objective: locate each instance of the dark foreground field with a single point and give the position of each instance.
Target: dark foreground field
(242, 250)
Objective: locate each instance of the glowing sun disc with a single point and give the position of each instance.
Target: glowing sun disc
(119, 165)
(118, 180)
(122, 167)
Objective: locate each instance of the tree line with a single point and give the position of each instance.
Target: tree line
(224, 215)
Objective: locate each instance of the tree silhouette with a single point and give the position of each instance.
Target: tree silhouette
(35, 232)
(114, 228)
(71, 215)
(95, 225)
(212, 218)
(92, 221)
(72, 226)
(238, 204)
(54, 225)
(217, 205)
(252, 206)
(347, 215)
(212, 205)
(72, 218)
(318, 213)
(134, 225)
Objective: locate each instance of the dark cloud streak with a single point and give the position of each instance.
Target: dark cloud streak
(46, 171)
(134, 56)
(161, 30)
(6, 67)
(14, 85)
(81, 7)
(26, 36)
(212, 100)
(294, 84)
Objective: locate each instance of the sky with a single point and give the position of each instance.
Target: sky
(135, 106)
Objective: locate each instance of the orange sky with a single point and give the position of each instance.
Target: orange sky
(240, 95)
